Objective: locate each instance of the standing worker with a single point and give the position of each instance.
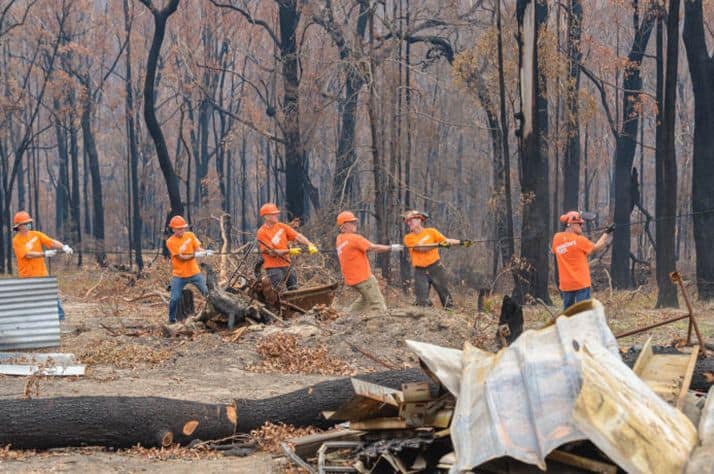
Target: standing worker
(423, 248)
(273, 238)
(29, 250)
(184, 248)
(352, 251)
(571, 251)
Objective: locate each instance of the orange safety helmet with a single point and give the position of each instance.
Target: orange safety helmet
(571, 217)
(22, 217)
(410, 214)
(269, 208)
(178, 222)
(345, 217)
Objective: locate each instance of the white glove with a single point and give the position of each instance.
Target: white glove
(67, 249)
(199, 253)
(396, 247)
(209, 253)
(50, 253)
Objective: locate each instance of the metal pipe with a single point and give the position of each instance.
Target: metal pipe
(651, 326)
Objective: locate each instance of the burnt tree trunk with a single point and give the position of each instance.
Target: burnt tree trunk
(666, 159)
(123, 422)
(137, 224)
(96, 179)
(152, 124)
(571, 162)
(625, 152)
(701, 69)
(535, 233)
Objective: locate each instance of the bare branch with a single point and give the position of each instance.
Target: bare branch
(251, 19)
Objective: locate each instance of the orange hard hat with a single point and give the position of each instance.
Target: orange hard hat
(20, 218)
(571, 217)
(410, 214)
(345, 216)
(178, 222)
(269, 208)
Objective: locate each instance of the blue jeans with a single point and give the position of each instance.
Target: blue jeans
(60, 310)
(177, 284)
(572, 297)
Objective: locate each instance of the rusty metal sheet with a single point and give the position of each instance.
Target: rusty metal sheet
(627, 420)
(28, 313)
(518, 402)
(306, 298)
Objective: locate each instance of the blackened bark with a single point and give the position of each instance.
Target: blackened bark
(75, 217)
(137, 224)
(625, 152)
(295, 162)
(666, 161)
(152, 124)
(97, 200)
(62, 185)
(571, 161)
(123, 422)
(701, 69)
(534, 268)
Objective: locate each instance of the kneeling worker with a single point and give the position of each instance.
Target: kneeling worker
(571, 251)
(184, 247)
(273, 238)
(423, 246)
(29, 245)
(352, 251)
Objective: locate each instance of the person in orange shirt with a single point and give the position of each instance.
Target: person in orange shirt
(273, 238)
(184, 248)
(29, 246)
(423, 246)
(571, 251)
(352, 251)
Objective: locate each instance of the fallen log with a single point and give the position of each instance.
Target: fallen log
(121, 422)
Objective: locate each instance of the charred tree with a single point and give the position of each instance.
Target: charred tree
(701, 70)
(666, 159)
(571, 162)
(626, 142)
(533, 272)
(123, 422)
(90, 148)
(161, 17)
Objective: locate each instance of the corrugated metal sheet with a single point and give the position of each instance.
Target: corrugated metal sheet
(519, 401)
(28, 313)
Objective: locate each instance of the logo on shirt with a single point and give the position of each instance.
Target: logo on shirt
(30, 243)
(341, 247)
(276, 238)
(184, 246)
(563, 248)
(425, 239)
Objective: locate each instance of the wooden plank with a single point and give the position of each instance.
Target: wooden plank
(644, 357)
(582, 462)
(688, 373)
(392, 423)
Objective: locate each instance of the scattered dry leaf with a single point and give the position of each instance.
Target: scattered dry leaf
(269, 436)
(281, 353)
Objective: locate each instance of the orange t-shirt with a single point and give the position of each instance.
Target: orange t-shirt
(571, 252)
(32, 242)
(187, 244)
(425, 237)
(275, 237)
(352, 253)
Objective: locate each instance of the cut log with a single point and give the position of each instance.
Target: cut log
(121, 422)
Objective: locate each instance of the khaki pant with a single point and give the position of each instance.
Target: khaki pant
(370, 298)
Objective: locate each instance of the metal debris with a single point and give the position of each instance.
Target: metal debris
(25, 364)
(28, 313)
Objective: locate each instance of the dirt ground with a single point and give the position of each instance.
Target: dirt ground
(114, 326)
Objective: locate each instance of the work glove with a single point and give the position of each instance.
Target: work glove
(467, 243)
(200, 253)
(67, 249)
(610, 229)
(311, 249)
(444, 244)
(210, 252)
(294, 251)
(50, 253)
(396, 248)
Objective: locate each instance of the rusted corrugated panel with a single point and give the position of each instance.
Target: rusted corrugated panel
(517, 402)
(28, 313)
